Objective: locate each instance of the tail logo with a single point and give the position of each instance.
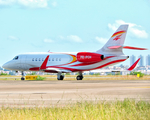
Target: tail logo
(118, 35)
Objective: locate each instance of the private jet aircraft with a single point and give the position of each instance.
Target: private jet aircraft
(111, 53)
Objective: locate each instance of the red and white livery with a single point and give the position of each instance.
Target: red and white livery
(111, 53)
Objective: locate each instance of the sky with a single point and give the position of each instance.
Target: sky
(71, 25)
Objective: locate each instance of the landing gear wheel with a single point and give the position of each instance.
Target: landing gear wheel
(79, 77)
(22, 78)
(61, 77)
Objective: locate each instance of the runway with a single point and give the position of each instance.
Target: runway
(49, 93)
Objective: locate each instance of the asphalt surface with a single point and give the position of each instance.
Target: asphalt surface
(52, 93)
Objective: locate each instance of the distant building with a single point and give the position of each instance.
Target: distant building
(148, 60)
(141, 61)
(132, 60)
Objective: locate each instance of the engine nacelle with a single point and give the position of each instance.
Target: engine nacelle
(88, 57)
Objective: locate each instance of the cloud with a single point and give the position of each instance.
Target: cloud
(139, 33)
(7, 2)
(34, 3)
(134, 29)
(74, 38)
(101, 40)
(13, 38)
(48, 41)
(26, 3)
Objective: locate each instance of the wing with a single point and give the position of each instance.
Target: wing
(130, 68)
(56, 70)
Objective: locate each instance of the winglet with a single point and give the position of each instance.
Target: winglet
(43, 66)
(133, 66)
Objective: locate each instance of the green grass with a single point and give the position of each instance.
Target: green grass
(40, 78)
(86, 77)
(117, 110)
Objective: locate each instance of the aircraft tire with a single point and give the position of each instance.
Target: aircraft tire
(79, 77)
(22, 78)
(61, 77)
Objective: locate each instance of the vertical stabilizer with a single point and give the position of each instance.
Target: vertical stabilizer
(115, 44)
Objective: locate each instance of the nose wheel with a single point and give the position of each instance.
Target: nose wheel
(23, 78)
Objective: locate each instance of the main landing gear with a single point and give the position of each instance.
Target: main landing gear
(23, 78)
(80, 76)
(60, 76)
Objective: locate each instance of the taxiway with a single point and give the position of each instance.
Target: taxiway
(45, 93)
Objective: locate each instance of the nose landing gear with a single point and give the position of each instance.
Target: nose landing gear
(23, 78)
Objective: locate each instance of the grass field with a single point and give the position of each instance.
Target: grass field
(86, 77)
(117, 110)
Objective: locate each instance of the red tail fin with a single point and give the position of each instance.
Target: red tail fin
(133, 66)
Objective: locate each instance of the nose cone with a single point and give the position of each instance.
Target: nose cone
(8, 65)
(5, 66)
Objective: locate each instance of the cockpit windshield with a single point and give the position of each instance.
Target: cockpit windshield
(16, 58)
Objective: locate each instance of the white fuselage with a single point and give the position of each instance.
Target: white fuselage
(64, 62)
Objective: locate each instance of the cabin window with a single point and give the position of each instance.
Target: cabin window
(49, 59)
(56, 59)
(52, 59)
(42, 59)
(36, 59)
(39, 59)
(16, 58)
(33, 59)
(59, 59)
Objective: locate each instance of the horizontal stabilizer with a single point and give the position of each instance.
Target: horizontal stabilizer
(134, 65)
(127, 47)
(43, 66)
(134, 48)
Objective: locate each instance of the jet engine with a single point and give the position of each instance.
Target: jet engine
(88, 57)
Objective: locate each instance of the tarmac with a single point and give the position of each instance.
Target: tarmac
(53, 93)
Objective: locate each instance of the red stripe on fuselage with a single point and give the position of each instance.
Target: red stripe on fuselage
(113, 62)
(76, 70)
